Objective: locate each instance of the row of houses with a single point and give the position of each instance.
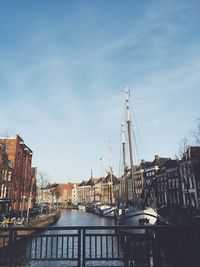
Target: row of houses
(169, 182)
(178, 181)
(58, 193)
(166, 182)
(104, 190)
(94, 190)
(161, 182)
(17, 175)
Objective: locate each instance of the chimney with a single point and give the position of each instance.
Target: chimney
(157, 157)
(142, 161)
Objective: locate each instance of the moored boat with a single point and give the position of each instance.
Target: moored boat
(109, 212)
(137, 213)
(105, 210)
(81, 207)
(138, 217)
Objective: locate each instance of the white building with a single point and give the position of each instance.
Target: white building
(75, 199)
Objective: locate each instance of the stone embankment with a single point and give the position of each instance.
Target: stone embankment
(45, 220)
(40, 221)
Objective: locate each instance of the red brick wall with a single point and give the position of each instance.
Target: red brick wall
(21, 157)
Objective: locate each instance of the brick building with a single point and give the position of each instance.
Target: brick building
(190, 177)
(33, 188)
(168, 184)
(5, 180)
(60, 193)
(90, 191)
(20, 157)
(65, 193)
(81, 192)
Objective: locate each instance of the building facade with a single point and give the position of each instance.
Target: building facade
(20, 157)
(190, 177)
(168, 183)
(5, 180)
(75, 194)
(65, 193)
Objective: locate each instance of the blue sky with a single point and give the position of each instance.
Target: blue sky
(63, 67)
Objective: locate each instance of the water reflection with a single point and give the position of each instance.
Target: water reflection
(64, 247)
(82, 218)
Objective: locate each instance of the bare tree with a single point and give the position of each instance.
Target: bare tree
(42, 179)
(196, 134)
(183, 146)
(42, 182)
(55, 193)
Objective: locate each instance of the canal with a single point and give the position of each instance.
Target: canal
(82, 218)
(68, 218)
(80, 238)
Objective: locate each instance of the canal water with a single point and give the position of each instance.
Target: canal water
(82, 218)
(73, 218)
(169, 245)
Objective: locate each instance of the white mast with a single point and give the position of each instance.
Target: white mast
(102, 178)
(124, 185)
(128, 119)
(111, 174)
(110, 157)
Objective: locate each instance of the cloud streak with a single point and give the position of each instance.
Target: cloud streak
(61, 81)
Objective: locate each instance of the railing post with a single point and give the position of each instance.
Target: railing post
(12, 239)
(83, 252)
(125, 249)
(79, 247)
(156, 251)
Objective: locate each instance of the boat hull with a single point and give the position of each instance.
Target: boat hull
(81, 207)
(138, 217)
(109, 212)
(105, 211)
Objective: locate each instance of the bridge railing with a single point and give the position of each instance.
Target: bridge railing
(104, 245)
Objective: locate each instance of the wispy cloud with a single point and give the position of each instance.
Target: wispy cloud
(61, 80)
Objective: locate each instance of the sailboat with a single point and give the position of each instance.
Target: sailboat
(136, 212)
(107, 209)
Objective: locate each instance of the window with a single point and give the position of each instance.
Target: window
(192, 181)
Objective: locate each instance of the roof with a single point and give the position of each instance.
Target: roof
(100, 180)
(83, 183)
(108, 179)
(171, 163)
(67, 186)
(49, 186)
(91, 182)
(192, 152)
(158, 161)
(143, 165)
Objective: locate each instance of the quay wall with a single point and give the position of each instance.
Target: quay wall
(45, 221)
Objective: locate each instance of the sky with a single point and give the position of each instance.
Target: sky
(63, 69)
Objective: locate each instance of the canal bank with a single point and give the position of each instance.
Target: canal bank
(39, 221)
(45, 220)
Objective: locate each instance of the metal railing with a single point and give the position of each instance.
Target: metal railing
(149, 246)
